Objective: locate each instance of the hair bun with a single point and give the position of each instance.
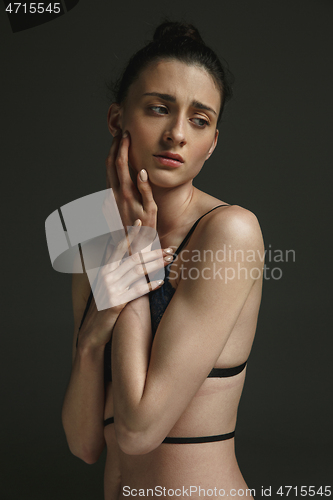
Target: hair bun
(169, 30)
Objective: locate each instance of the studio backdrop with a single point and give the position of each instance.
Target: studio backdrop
(274, 157)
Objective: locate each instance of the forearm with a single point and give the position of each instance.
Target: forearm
(131, 346)
(83, 408)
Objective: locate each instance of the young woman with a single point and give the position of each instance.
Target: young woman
(167, 409)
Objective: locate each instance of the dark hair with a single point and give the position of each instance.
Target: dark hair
(181, 41)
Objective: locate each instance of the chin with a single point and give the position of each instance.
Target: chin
(164, 179)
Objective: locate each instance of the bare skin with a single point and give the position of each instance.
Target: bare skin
(161, 389)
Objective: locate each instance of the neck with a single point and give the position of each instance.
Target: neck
(173, 206)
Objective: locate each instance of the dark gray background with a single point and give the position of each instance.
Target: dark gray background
(274, 158)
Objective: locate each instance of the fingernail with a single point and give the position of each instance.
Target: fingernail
(137, 222)
(168, 250)
(160, 282)
(143, 175)
(168, 258)
(125, 134)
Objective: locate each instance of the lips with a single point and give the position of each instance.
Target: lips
(171, 156)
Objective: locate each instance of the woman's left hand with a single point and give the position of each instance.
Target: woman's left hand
(133, 202)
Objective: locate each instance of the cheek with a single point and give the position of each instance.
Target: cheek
(140, 145)
(136, 151)
(201, 151)
(198, 156)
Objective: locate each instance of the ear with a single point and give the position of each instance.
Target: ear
(114, 119)
(213, 146)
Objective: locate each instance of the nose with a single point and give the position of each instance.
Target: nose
(175, 132)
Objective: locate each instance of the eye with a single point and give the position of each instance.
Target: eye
(160, 110)
(201, 122)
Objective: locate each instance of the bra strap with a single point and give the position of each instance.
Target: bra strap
(188, 440)
(200, 439)
(227, 372)
(189, 234)
(108, 421)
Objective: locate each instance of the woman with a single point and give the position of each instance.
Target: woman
(179, 352)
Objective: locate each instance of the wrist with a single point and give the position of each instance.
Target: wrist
(89, 355)
(97, 332)
(138, 305)
(91, 341)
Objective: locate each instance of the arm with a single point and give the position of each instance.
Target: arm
(83, 407)
(118, 283)
(151, 392)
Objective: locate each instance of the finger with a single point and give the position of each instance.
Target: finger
(121, 162)
(138, 263)
(146, 192)
(124, 245)
(111, 170)
(116, 253)
(140, 289)
(136, 273)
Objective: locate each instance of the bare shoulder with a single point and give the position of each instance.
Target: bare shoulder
(232, 225)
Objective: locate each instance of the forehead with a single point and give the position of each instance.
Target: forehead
(185, 82)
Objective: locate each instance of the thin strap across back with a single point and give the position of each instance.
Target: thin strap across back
(227, 372)
(200, 439)
(187, 440)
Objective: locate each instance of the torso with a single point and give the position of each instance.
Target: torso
(213, 410)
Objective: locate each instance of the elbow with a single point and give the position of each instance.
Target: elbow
(135, 445)
(87, 450)
(136, 442)
(89, 456)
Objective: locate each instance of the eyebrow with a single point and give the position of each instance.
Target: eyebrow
(171, 98)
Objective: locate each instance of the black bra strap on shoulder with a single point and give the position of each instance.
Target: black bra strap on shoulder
(202, 439)
(189, 234)
(227, 372)
(108, 421)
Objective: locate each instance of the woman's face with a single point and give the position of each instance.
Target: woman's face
(171, 109)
